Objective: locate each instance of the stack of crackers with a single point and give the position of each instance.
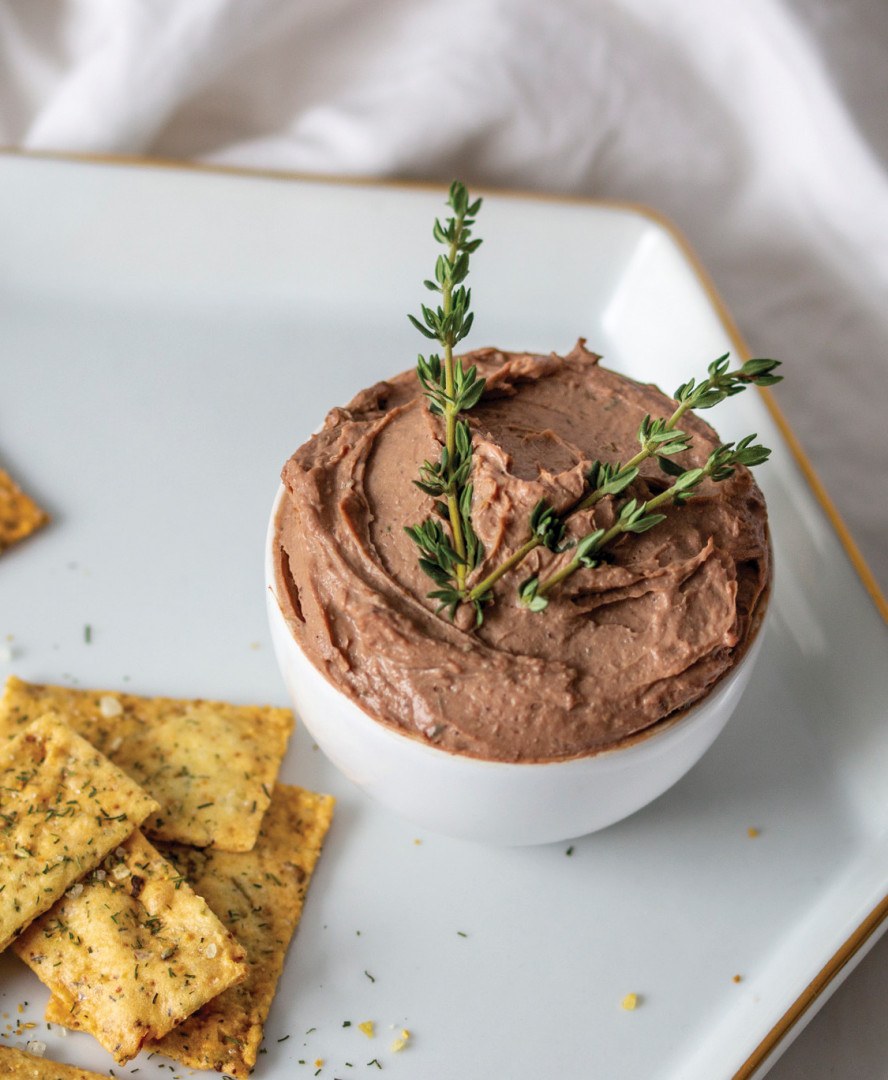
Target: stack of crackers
(152, 871)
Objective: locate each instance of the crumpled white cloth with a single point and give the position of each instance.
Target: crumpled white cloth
(760, 128)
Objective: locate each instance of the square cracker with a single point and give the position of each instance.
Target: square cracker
(19, 515)
(132, 950)
(210, 765)
(63, 807)
(259, 895)
(21, 1066)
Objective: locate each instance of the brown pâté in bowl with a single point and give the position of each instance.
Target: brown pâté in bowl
(598, 558)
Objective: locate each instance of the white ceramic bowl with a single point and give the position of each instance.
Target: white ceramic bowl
(492, 801)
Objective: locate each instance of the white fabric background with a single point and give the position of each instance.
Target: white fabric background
(760, 128)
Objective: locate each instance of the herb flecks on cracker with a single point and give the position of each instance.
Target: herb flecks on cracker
(19, 514)
(210, 765)
(132, 951)
(259, 896)
(63, 807)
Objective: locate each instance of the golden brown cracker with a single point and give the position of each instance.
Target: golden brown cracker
(19, 514)
(210, 765)
(259, 896)
(63, 807)
(132, 950)
(18, 1065)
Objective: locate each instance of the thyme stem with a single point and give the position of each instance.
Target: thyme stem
(450, 412)
(493, 577)
(637, 518)
(617, 529)
(448, 554)
(648, 450)
(451, 390)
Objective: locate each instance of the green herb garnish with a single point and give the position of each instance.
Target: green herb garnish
(449, 549)
(635, 517)
(658, 438)
(451, 390)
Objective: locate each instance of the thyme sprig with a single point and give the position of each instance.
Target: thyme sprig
(449, 554)
(660, 438)
(451, 390)
(638, 517)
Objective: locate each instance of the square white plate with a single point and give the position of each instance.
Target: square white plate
(168, 337)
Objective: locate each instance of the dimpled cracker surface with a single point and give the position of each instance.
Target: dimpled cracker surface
(63, 807)
(211, 766)
(132, 950)
(18, 1065)
(19, 515)
(259, 896)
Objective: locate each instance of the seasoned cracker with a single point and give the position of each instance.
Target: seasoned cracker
(19, 515)
(210, 765)
(63, 807)
(259, 896)
(21, 1066)
(132, 950)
